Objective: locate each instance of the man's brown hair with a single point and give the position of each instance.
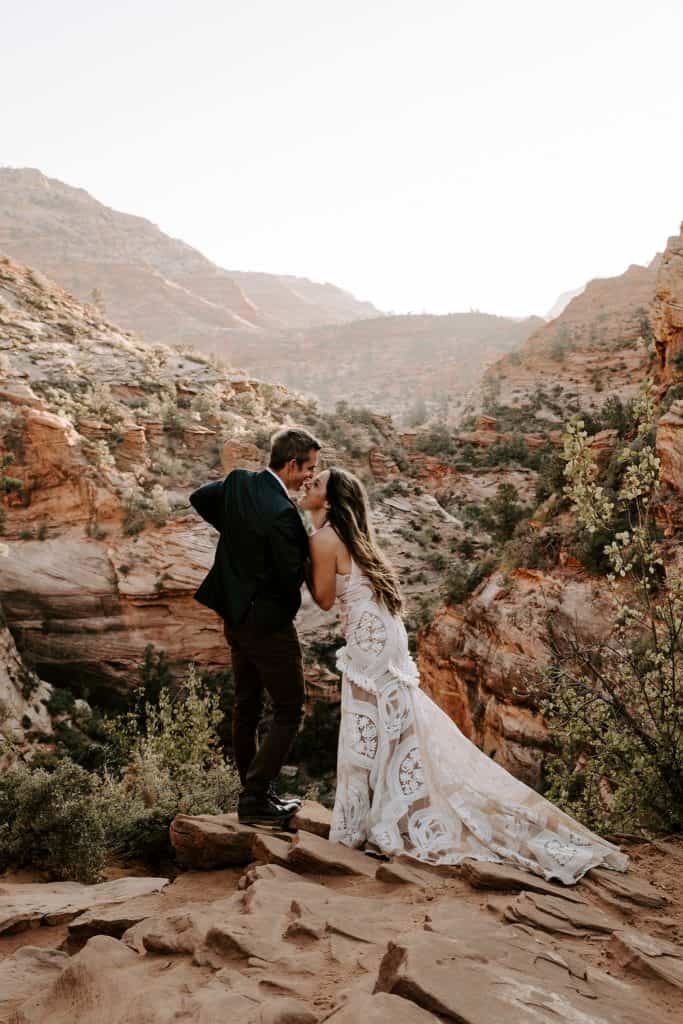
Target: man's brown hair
(291, 443)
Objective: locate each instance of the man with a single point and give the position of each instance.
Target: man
(255, 586)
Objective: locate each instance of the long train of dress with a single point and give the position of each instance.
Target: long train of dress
(409, 782)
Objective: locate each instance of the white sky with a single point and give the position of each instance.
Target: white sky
(428, 155)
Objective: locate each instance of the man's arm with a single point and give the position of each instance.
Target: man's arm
(289, 549)
(208, 501)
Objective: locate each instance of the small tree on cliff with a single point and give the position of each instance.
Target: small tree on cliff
(615, 706)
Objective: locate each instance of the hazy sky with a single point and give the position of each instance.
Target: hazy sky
(428, 155)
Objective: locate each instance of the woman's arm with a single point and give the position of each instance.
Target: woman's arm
(322, 581)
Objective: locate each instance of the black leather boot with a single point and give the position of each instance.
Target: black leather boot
(293, 804)
(261, 809)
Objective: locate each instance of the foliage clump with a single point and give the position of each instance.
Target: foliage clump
(162, 759)
(614, 706)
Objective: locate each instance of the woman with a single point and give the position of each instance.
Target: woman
(408, 781)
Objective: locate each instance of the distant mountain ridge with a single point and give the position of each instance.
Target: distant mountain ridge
(313, 336)
(390, 364)
(144, 279)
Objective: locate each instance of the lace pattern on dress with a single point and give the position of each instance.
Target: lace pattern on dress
(410, 782)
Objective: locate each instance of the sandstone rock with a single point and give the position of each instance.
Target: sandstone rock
(26, 971)
(108, 981)
(313, 817)
(18, 393)
(382, 466)
(559, 916)
(603, 445)
(22, 695)
(669, 446)
(270, 849)
(310, 852)
(380, 1009)
(476, 659)
(199, 439)
(29, 905)
(625, 888)
(211, 840)
(131, 452)
(241, 455)
(286, 1011)
(667, 308)
(112, 920)
(463, 979)
(651, 957)
(402, 874)
(505, 878)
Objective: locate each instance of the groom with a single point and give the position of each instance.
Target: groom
(255, 586)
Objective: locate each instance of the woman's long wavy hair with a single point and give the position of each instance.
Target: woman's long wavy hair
(349, 517)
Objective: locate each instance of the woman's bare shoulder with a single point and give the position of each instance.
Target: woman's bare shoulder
(325, 541)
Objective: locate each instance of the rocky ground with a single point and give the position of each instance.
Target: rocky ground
(293, 929)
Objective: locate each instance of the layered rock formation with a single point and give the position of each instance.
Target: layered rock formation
(298, 930)
(22, 697)
(145, 280)
(309, 336)
(479, 660)
(108, 436)
(407, 366)
(667, 310)
(599, 346)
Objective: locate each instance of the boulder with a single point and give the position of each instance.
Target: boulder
(313, 817)
(654, 958)
(32, 904)
(558, 916)
(626, 889)
(26, 971)
(506, 878)
(113, 919)
(476, 979)
(310, 852)
(211, 840)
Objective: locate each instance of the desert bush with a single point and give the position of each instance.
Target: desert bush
(68, 821)
(532, 548)
(503, 512)
(53, 821)
(174, 766)
(550, 479)
(614, 706)
(463, 580)
(437, 441)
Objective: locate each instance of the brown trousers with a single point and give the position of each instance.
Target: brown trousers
(270, 662)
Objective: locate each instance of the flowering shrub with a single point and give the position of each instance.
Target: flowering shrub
(615, 706)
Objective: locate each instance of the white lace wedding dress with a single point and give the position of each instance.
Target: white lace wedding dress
(409, 782)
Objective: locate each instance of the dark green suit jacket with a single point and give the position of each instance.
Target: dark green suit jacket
(261, 552)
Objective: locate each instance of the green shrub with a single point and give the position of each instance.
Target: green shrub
(503, 512)
(61, 702)
(67, 821)
(53, 821)
(613, 705)
(462, 581)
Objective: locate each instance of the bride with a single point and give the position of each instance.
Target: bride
(408, 781)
